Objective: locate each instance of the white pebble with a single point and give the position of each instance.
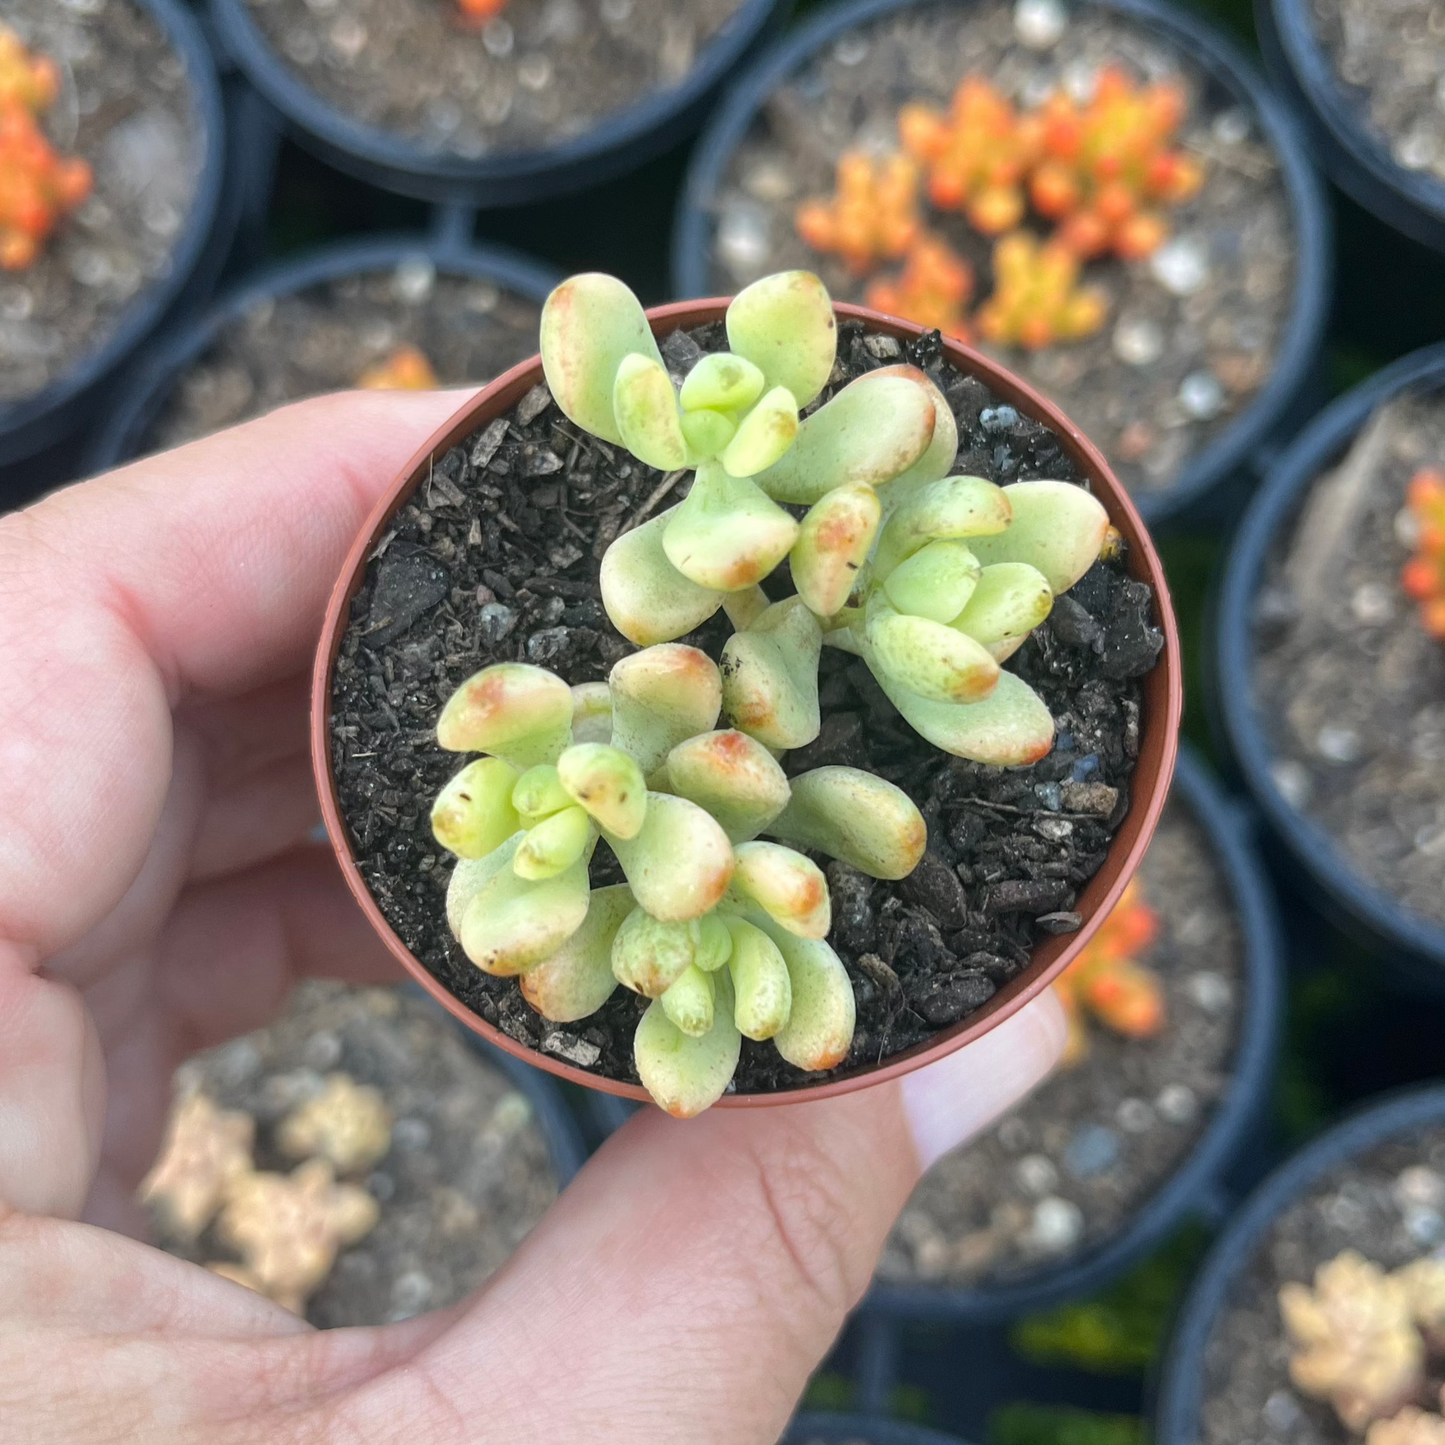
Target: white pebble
(1338, 743)
(411, 1291)
(535, 73)
(1036, 1174)
(1293, 781)
(1282, 1411)
(1057, 1225)
(1040, 24)
(414, 279)
(1417, 150)
(498, 37)
(1135, 1116)
(851, 50)
(1231, 127)
(1211, 991)
(1177, 1104)
(1181, 266)
(1201, 395)
(742, 241)
(1419, 1185)
(1138, 341)
(1424, 1226)
(1373, 603)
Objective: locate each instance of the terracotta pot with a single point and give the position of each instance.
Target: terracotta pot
(1159, 733)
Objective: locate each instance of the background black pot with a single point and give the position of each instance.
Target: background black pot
(1240, 452)
(1181, 1394)
(51, 415)
(861, 1430)
(1416, 945)
(1356, 157)
(122, 435)
(617, 143)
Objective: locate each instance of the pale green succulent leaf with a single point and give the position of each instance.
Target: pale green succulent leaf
(733, 777)
(647, 416)
(722, 382)
(539, 793)
(788, 887)
(576, 980)
(744, 608)
(728, 534)
(688, 1001)
(649, 955)
(714, 943)
(833, 544)
(473, 813)
(1011, 599)
(857, 817)
(591, 712)
(608, 783)
(707, 432)
(819, 1031)
(764, 435)
(928, 658)
(512, 710)
(936, 582)
(471, 875)
(680, 864)
(942, 451)
(647, 598)
(1057, 527)
(686, 1075)
(554, 844)
(770, 676)
(762, 988)
(1009, 728)
(953, 508)
(785, 325)
(514, 923)
(660, 697)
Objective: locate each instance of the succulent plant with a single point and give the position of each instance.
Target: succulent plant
(933, 289)
(724, 933)
(26, 79)
(478, 12)
(873, 215)
(1423, 523)
(206, 1150)
(408, 368)
(1037, 298)
(1410, 1427)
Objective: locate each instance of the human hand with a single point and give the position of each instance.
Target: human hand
(158, 893)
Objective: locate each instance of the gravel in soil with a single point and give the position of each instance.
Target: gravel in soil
(1069, 1167)
(1388, 1205)
(1192, 334)
(1350, 687)
(1390, 54)
(127, 107)
(303, 343)
(540, 73)
(496, 557)
(468, 1173)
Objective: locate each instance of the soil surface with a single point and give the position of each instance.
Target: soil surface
(540, 73)
(127, 107)
(468, 1174)
(496, 558)
(321, 339)
(1389, 1205)
(1390, 54)
(1350, 686)
(1071, 1165)
(1192, 334)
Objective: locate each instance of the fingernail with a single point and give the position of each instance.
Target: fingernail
(951, 1101)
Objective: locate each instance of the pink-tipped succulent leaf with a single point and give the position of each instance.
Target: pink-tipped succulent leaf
(660, 698)
(728, 534)
(788, 887)
(577, 979)
(608, 784)
(647, 598)
(734, 777)
(511, 710)
(770, 676)
(857, 817)
(833, 544)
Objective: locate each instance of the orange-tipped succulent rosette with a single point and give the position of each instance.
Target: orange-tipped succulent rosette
(1423, 576)
(933, 289)
(37, 186)
(406, 369)
(1037, 298)
(26, 79)
(872, 215)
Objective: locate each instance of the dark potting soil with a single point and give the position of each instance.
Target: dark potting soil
(540, 73)
(1391, 59)
(496, 558)
(321, 339)
(1388, 1205)
(468, 1173)
(1069, 1166)
(1192, 334)
(127, 107)
(1350, 687)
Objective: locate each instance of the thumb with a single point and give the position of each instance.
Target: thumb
(693, 1276)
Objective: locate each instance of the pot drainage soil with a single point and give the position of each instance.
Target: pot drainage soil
(321, 339)
(1192, 334)
(467, 1173)
(496, 558)
(1387, 1206)
(541, 72)
(127, 108)
(1065, 1171)
(1390, 59)
(1349, 684)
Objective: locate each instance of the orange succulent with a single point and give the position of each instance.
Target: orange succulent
(478, 12)
(37, 186)
(933, 289)
(1108, 980)
(29, 80)
(1423, 576)
(872, 216)
(977, 155)
(1037, 298)
(406, 369)
(1106, 166)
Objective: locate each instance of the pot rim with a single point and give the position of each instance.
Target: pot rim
(1154, 767)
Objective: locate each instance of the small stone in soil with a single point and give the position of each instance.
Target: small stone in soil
(1056, 1226)
(1091, 1150)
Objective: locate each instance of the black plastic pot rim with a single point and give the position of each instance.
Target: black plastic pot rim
(31, 415)
(1181, 1391)
(124, 428)
(1196, 1183)
(1244, 438)
(1295, 471)
(850, 1429)
(511, 177)
(1359, 159)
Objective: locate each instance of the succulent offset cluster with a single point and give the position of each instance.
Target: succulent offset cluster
(408, 368)
(1102, 173)
(723, 932)
(1108, 980)
(1423, 521)
(37, 186)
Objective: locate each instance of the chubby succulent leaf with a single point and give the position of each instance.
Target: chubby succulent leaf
(513, 923)
(645, 406)
(952, 508)
(785, 325)
(1009, 728)
(555, 844)
(1011, 599)
(649, 956)
(686, 1075)
(473, 814)
(728, 534)
(576, 980)
(928, 658)
(874, 430)
(732, 776)
(608, 783)
(935, 582)
(937, 461)
(471, 875)
(660, 697)
(647, 598)
(539, 793)
(770, 676)
(688, 1002)
(833, 544)
(764, 435)
(714, 942)
(788, 887)
(512, 710)
(1057, 527)
(590, 325)
(707, 432)
(856, 817)
(761, 985)
(680, 864)
(591, 712)
(744, 608)
(722, 382)
(819, 1030)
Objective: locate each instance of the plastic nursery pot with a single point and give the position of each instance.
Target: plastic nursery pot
(123, 433)
(1417, 945)
(860, 1430)
(1277, 408)
(1180, 1399)
(617, 143)
(1353, 152)
(1196, 1188)
(35, 422)
(1158, 743)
